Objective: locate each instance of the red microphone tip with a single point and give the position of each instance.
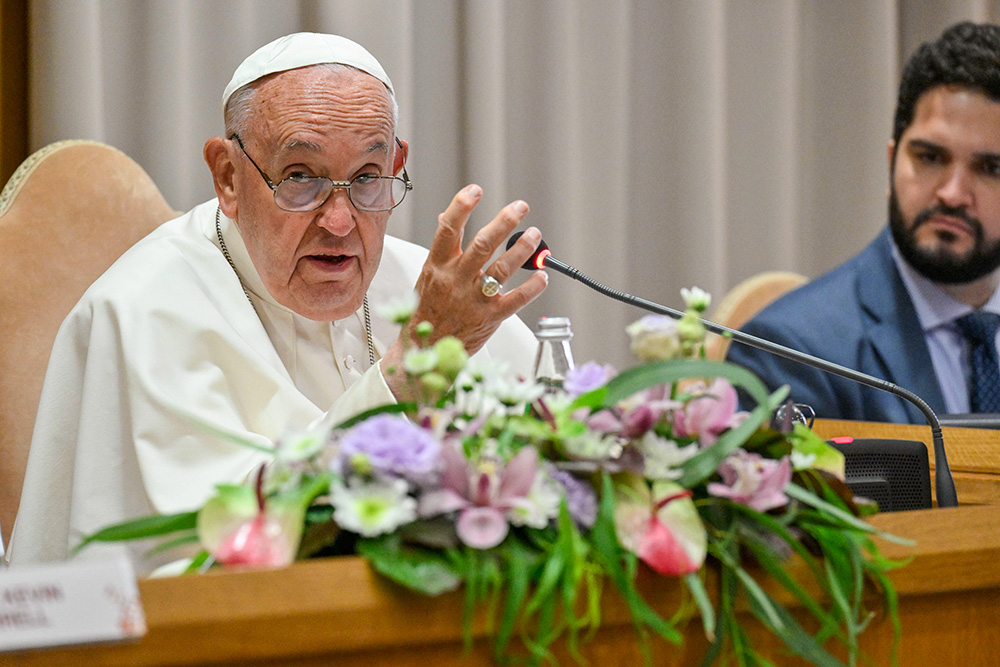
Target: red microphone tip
(540, 258)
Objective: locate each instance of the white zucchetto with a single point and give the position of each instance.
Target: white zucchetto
(303, 49)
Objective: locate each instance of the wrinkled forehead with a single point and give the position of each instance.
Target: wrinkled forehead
(312, 105)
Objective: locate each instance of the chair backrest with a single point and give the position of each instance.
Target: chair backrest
(747, 299)
(68, 212)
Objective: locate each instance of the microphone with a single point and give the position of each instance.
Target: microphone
(944, 484)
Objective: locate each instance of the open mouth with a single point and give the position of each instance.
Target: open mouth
(332, 260)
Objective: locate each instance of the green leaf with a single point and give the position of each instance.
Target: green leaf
(200, 563)
(150, 526)
(188, 537)
(790, 632)
(705, 607)
(802, 495)
(704, 464)
(648, 375)
(776, 569)
(419, 569)
(518, 581)
(608, 552)
(392, 408)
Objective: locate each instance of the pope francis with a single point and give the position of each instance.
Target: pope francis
(254, 314)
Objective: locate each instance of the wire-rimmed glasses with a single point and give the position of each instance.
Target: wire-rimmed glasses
(299, 193)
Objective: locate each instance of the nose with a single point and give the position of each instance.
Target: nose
(956, 189)
(336, 215)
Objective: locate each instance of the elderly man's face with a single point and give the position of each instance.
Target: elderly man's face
(316, 122)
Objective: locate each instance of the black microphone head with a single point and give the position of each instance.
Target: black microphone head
(537, 259)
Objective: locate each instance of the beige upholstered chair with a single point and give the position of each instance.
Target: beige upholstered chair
(68, 212)
(746, 300)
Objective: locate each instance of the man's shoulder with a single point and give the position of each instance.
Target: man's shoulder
(173, 255)
(830, 298)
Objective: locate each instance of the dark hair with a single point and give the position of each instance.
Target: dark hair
(966, 54)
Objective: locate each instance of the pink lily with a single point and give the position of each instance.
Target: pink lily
(482, 493)
(709, 413)
(752, 480)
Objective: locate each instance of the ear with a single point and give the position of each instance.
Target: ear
(219, 156)
(399, 156)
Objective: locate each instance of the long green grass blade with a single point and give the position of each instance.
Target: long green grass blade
(151, 526)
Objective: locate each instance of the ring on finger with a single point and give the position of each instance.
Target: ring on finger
(491, 286)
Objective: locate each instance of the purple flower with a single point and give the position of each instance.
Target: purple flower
(391, 446)
(752, 480)
(580, 498)
(587, 377)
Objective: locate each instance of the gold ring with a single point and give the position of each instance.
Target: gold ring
(491, 286)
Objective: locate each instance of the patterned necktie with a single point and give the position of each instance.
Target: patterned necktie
(980, 328)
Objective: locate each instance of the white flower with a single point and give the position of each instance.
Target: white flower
(473, 400)
(301, 445)
(592, 444)
(514, 391)
(540, 506)
(654, 338)
(482, 389)
(399, 310)
(696, 299)
(662, 456)
(372, 508)
(478, 370)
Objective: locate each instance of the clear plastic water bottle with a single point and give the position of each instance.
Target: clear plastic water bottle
(554, 358)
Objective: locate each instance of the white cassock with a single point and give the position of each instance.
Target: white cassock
(164, 349)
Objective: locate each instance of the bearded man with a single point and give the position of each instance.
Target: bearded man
(919, 307)
(254, 314)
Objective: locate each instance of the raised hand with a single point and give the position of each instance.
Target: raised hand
(450, 286)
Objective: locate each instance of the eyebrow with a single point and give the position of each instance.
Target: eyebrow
(377, 146)
(927, 145)
(982, 156)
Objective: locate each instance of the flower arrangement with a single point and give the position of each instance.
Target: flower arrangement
(531, 497)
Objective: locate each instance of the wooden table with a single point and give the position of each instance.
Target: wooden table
(336, 611)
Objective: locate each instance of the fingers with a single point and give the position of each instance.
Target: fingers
(509, 262)
(450, 285)
(528, 291)
(493, 235)
(447, 242)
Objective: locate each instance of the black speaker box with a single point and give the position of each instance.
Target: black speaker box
(894, 473)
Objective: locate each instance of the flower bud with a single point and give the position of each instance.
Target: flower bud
(434, 384)
(452, 357)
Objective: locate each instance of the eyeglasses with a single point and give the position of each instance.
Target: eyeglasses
(300, 193)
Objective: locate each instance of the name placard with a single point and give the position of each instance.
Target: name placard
(69, 603)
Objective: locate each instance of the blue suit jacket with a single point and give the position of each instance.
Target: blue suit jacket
(859, 315)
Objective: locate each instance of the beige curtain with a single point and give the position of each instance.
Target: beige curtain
(660, 144)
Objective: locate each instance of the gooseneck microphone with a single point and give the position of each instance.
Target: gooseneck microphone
(944, 484)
